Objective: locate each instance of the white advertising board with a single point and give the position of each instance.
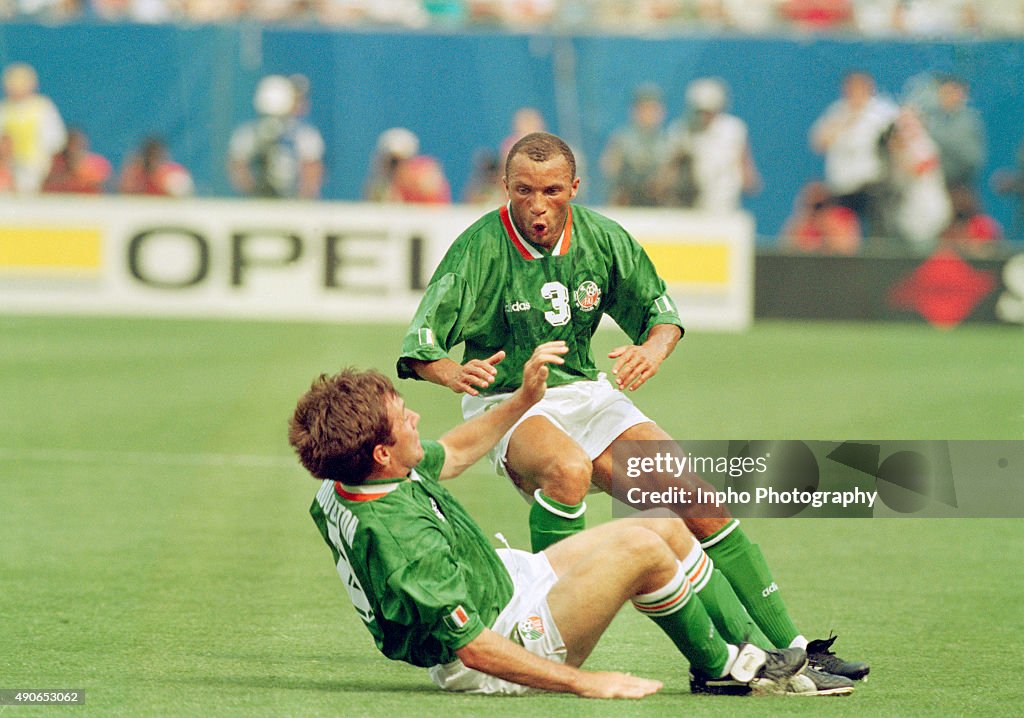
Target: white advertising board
(305, 260)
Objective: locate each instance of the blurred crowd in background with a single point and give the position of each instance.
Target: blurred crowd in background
(38, 153)
(873, 18)
(903, 174)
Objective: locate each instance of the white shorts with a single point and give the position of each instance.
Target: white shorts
(526, 619)
(592, 413)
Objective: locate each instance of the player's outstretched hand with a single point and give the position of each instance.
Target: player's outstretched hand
(535, 371)
(635, 365)
(616, 685)
(475, 374)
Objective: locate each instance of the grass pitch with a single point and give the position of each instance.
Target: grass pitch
(156, 551)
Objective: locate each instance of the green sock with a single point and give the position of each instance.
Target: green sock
(551, 521)
(743, 564)
(681, 615)
(726, 611)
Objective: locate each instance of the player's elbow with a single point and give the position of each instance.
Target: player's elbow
(475, 655)
(423, 369)
(415, 366)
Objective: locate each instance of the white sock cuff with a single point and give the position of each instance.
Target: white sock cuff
(698, 567)
(799, 642)
(668, 599)
(728, 529)
(543, 501)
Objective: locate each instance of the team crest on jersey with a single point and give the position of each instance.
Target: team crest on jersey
(532, 628)
(588, 296)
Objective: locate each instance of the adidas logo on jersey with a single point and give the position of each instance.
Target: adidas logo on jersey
(517, 307)
(770, 589)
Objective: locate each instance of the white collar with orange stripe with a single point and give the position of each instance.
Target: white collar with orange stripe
(528, 250)
(371, 490)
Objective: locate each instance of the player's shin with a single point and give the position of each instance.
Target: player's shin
(551, 521)
(681, 615)
(743, 564)
(723, 606)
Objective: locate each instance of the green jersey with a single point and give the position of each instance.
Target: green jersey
(420, 572)
(495, 290)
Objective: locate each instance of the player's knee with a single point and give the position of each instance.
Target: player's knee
(673, 531)
(645, 548)
(706, 526)
(567, 479)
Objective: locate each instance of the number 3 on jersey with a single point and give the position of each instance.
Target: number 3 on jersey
(559, 296)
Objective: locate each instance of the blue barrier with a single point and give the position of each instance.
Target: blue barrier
(457, 91)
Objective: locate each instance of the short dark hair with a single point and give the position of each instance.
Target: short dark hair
(338, 423)
(541, 147)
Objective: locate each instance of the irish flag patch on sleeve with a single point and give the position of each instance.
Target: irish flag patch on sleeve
(457, 619)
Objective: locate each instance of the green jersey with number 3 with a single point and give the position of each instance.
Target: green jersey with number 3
(495, 290)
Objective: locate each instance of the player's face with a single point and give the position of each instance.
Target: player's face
(540, 193)
(407, 451)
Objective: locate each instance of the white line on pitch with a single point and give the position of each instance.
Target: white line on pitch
(79, 456)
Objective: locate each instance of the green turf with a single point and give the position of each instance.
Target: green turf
(155, 548)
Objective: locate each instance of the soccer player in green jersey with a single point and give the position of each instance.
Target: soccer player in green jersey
(434, 593)
(542, 269)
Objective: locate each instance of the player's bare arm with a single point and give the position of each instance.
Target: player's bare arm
(496, 655)
(469, 441)
(636, 363)
(466, 378)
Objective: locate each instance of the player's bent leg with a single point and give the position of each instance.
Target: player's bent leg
(740, 562)
(728, 613)
(545, 462)
(541, 455)
(600, 569)
(702, 519)
(726, 610)
(745, 567)
(566, 554)
(741, 595)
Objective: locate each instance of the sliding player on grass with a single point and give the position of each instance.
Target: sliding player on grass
(540, 269)
(434, 593)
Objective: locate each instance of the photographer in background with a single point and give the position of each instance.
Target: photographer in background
(278, 154)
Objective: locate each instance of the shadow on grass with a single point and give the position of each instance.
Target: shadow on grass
(329, 685)
(375, 686)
